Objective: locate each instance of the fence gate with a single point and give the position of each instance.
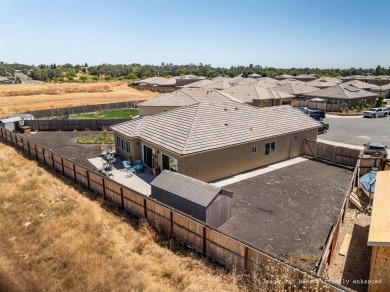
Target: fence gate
(309, 148)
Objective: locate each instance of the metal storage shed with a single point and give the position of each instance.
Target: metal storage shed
(10, 123)
(201, 200)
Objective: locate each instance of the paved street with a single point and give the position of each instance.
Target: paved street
(357, 130)
(25, 79)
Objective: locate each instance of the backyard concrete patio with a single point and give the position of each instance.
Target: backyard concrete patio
(139, 181)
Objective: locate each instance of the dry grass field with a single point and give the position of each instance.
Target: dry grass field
(59, 237)
(22, 97)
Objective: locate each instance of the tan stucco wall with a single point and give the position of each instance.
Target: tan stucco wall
(152, 110)
(380, 269)
(220, 163)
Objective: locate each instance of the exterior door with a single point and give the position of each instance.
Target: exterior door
(148, 156)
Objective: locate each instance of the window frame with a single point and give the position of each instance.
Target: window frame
(271, 150)
(254, 149)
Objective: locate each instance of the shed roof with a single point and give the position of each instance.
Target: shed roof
(20, 116)
(10, 120)
(209, 126)
(187, 96)
(186, 187)
(341, 91)
(379, 234)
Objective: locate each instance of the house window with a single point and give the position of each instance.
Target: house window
(270, 148)
(122, 144)
(254, 149)
(169, 163)
(264, 104)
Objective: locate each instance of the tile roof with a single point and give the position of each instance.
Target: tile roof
(208, 126)
(284, 76)
(248, 93)
(361, 85)
(159, 81)
(187, 96)
(296, 88)
(341, 91)
(322, 83)
(186, 187)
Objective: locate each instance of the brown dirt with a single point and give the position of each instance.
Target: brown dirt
(23, 97)
(356, 264)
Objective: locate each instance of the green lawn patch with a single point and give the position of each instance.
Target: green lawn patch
(96, 139)
(109, 114)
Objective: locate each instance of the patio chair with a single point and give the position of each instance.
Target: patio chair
(138, 165)
(128, 166)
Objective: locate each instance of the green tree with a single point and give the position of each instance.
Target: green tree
(132, 77)
(17, 80)
(83, 78)
(95, 78)
(379, 100)
(120, 78)
(70, 78)
(107, 77)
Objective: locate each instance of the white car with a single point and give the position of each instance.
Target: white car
(375, 113)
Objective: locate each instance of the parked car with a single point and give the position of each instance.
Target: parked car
(375, 149)
(317, 114)
(304, 109)
(324, 127)
(375, 113)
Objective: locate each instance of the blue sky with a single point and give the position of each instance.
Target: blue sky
(283, 34)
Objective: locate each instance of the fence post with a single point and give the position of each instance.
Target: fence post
(171, 220)
(44, 157)
(204, 240)
(122, 199)
(28, 146)
(74, 172)
(334, 154)
(52, 160)
(145, 210)
(62, 165)
(36, 152)
(246, 258)
(104, 189)
(88, 181)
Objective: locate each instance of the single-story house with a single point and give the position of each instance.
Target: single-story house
(258, 96)
(379, 234)
(187, 79)
(297, 88)
(181, 97)
(254, 76)
(384, 89)
(283, 76)
(343, 94)
(305, 77)
(157, 82)
(201, 200)
(5, 80)
(362, 85)
(323, 83)
(376, 80)
(212, 140)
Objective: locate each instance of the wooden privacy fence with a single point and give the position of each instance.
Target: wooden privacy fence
(331, 153)
(316, 105)
(71, 125)
(225, 249)
(82, 109)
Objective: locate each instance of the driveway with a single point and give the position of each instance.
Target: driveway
(25, 79)
(357, 130)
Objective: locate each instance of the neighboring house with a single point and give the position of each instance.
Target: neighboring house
(254, 76)
(297, 88)
(379, 234)
(187, 79)
(212, 140)
(5, 80)
(385, 90)
(200, 83)
(323, 82)
(343, 94)
(181, 97)
(284, 76)
(158, 82)
(305, 77)
(256, 95)
(362, 85)
(198, 199)
(376, 80)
